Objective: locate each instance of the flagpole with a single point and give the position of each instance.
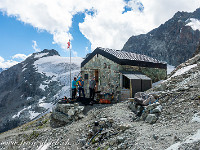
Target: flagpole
(70, 74)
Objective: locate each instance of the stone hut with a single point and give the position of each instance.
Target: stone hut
(121, 73)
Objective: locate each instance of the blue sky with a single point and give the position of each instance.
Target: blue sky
(17, 37)
(30, 26)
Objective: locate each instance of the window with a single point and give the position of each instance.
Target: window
(126, 82)
(105, 65)
(86, 77)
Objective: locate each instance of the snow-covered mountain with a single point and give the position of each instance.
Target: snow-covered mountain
(32, 87)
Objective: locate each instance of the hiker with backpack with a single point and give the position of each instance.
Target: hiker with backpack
(80, 87)
(74, 85)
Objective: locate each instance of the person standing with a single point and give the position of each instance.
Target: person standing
(80, 87)
(74, 88)
(92, 88)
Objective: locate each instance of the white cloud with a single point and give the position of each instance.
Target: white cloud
(19, 56)
(35, 46)
(163, 10)
(6, 64)
(86, 50)
(108, 27)
(1, 59)
(9, 63)
(74, 53)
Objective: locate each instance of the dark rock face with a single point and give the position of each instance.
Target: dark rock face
(21, 93)
(197, 50)
(2, 69)
(173, 42)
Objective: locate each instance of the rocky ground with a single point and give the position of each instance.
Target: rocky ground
(115, 126)
(121, 132)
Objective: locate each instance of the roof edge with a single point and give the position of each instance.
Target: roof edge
(123, 61)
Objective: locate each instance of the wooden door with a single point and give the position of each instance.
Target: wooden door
(96, 74)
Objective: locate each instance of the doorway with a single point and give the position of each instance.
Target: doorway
(96, 74)
(125, 82)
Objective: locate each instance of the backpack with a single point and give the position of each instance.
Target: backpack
(104, 101)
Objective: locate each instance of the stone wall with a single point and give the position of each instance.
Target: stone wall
(156, 74)
(109, 75)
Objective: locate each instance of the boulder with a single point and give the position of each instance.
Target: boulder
(151, 118)
(158, 109)
(132, 107)
(64, 114)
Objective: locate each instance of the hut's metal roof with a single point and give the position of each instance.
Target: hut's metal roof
(130, 56)
(126, 58)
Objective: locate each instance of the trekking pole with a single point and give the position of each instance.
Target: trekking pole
(95, 135)
(108, 137)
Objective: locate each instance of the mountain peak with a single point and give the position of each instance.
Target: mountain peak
(51, 52)
(44, 53)
(48, 52)
(179, 14)
(196, 13)
(174, 41)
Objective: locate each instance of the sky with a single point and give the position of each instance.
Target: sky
(28, 26)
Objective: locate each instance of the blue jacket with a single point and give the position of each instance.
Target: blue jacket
(74, 84)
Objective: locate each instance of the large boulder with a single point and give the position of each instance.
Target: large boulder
(64, 114)
(151, 118)
(146, 107)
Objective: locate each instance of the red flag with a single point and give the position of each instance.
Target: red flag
(68, 43)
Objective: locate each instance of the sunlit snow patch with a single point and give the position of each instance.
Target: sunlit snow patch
(46, 105)
(18, 114)
(40, 55)
(33, 114)
(183, 70)
(43, 87)
(194, 24)
(196, 118)
(28, 98)
(55, 66)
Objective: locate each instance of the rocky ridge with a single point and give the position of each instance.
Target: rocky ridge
(174, 42)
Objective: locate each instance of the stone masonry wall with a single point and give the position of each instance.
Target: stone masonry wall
(156, 74)
(109, 75)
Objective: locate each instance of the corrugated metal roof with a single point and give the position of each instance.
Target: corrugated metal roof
(129, 56)
(126, 58)
(143, 77)
(131, 76)
(135, 75)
